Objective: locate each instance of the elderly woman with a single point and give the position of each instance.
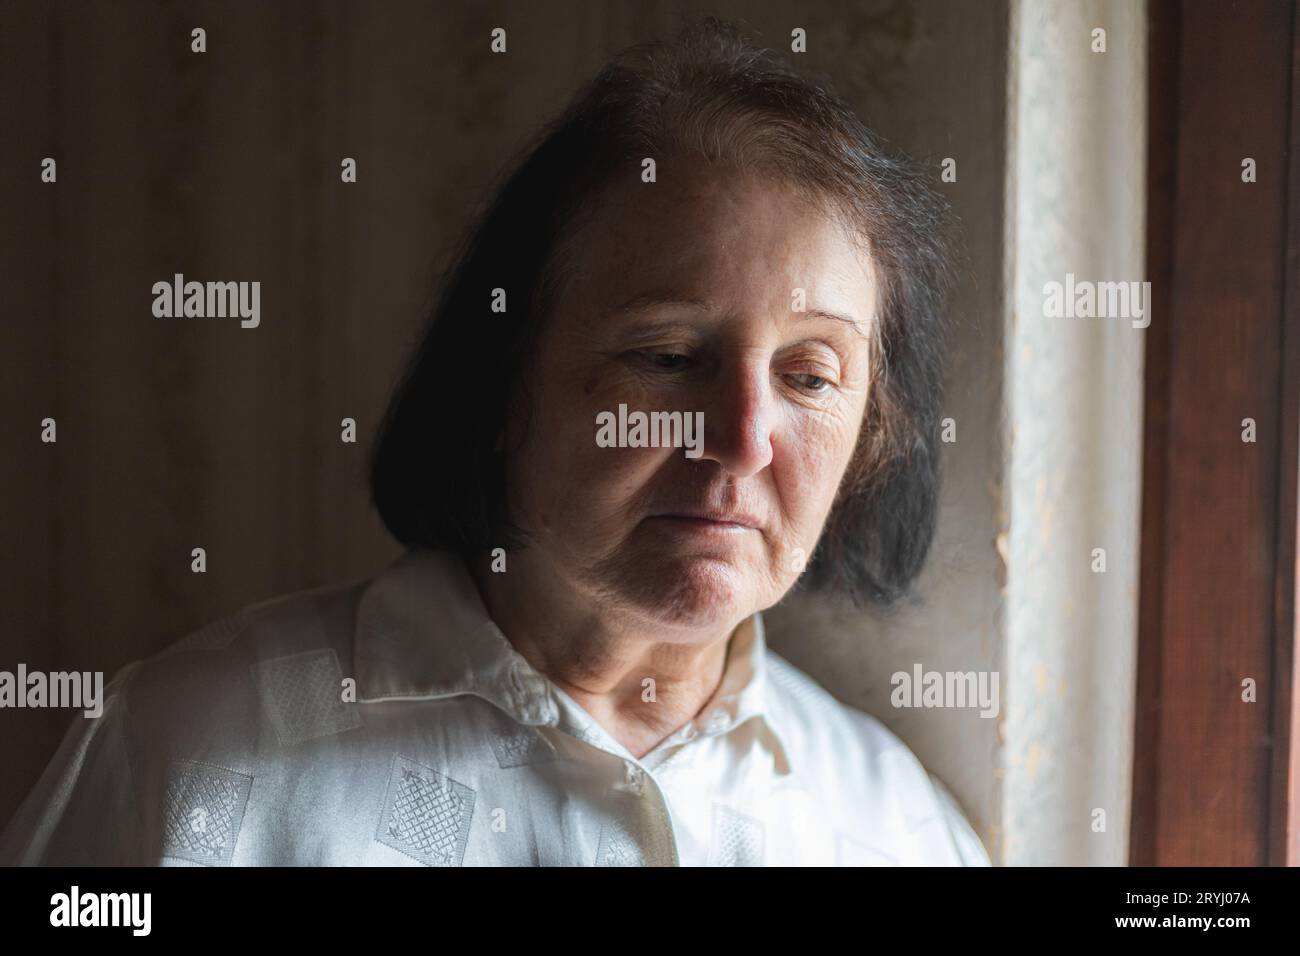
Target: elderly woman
(567, 665)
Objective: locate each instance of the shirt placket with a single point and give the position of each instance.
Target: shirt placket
(641, 813)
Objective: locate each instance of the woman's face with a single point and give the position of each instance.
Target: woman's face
(683, 295)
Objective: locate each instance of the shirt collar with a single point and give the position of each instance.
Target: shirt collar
(423, 632)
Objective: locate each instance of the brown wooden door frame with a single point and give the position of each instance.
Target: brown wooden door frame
(1284, 795)
(1215, 778)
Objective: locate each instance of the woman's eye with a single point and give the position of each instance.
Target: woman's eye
(811, 383)
(668, 361)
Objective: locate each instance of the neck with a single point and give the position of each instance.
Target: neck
(604, 659)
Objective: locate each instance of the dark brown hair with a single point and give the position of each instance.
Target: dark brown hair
(437, 474)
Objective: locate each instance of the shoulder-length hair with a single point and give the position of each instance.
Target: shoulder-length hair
(438, 471)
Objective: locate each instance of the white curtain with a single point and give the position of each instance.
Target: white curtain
(1075, 206)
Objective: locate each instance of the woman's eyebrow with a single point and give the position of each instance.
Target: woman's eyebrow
(650, 300)
(838, 317)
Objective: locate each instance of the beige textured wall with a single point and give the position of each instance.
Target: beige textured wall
(225, 166)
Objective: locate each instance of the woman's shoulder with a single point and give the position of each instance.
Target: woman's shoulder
(293, 643)
(839, 749)
(201, 713)
(293, 621)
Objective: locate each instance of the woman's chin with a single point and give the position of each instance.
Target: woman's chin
(689, 592)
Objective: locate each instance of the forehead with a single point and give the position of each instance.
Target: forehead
(703, 230)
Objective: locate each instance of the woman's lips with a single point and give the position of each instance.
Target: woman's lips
(708, 525)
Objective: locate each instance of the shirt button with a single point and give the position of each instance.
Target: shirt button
(535, 714)
(716, 721)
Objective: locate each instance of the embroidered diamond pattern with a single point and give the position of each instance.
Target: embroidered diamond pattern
(426, 815)
(204, 807)
(303, 696)
(517, 748)
(617, 848)
(737, 839)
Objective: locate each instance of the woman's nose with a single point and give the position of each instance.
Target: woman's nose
(738, 419)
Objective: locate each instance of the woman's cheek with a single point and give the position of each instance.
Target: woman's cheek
(815, 466)
(605, 484)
